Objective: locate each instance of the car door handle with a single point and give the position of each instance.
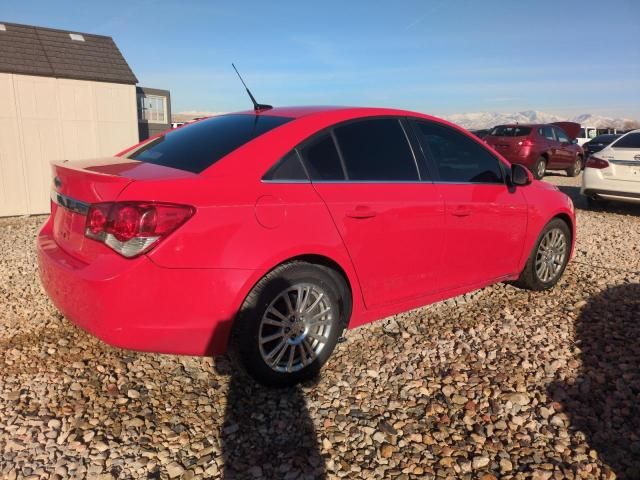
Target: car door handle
(461, 212)
(361, 211)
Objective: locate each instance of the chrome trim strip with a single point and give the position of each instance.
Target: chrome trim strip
(416, 182)
(69, 203)
(284, 181)
(384, 182)
(628, 163)
(612, 193)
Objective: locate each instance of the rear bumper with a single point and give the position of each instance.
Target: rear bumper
(135, 304)
(594, 183)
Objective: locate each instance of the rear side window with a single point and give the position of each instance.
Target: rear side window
(547, 132)
(376, 150)
(510, 131)
(322, 159)
(458, 158)
(289, 168)
(562, 137)
(632, 140)
(198, 146)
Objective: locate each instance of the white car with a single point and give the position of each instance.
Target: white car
(613, 173)
(587, 134)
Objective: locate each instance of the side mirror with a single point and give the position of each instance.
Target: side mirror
(520, 175)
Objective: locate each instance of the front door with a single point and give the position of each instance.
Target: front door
(485, 221)
(565, 152)
(391, 221)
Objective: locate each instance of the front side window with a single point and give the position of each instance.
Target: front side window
(197, 146)
(631, 140)
(457, 158)
(376, 150)
(152, 108)
(321, 159)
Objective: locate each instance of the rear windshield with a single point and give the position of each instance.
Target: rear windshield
(631, 140)
(505, 131)
(198, 146)
(605, 138)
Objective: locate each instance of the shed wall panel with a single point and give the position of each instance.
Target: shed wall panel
(44, 119)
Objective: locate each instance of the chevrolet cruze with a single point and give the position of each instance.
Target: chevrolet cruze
(267, 233)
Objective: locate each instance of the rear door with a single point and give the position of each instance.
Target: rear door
(551, 145)
(390, 220)
(626, 158)
(485, 221)
(565, 154)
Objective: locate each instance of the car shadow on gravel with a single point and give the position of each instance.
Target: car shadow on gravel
(267, 432)
(603, 400)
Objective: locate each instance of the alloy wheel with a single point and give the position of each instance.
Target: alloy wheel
(551, 255)
(295, 327)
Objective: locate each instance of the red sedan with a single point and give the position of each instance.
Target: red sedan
(268, 233)
(540, 147)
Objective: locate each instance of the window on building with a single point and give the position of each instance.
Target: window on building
(152, 108)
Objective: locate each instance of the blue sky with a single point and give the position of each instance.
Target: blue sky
(441, 57)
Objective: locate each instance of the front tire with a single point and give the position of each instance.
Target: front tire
(540, 168)
(576, 168)
(290, 323)
(549, 257)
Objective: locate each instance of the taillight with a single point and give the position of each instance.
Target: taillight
(527, 142)
(133, 228)
(595, 162)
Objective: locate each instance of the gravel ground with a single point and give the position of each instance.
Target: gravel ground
(501, 383)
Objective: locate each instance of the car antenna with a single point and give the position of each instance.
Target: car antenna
(256, 106)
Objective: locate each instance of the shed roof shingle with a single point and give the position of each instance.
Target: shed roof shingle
(32, 50)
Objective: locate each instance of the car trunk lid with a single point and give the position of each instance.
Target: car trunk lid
(77, 185)
(625, 163)
(572, 129)
(509, 139)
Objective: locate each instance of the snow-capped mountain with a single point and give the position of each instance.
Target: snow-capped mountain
(478, 120)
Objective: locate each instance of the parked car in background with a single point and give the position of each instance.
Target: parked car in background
(598, 143)
(270, 232)
(177, 124)
(540, 147)
(481, 133)
(613, 173)
(586, 134)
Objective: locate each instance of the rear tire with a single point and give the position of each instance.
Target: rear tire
(549, 257)
(540, 168)
(290, 323)
(576, 168)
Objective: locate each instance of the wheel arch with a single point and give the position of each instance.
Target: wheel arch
(569, 221)
(346, 273)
